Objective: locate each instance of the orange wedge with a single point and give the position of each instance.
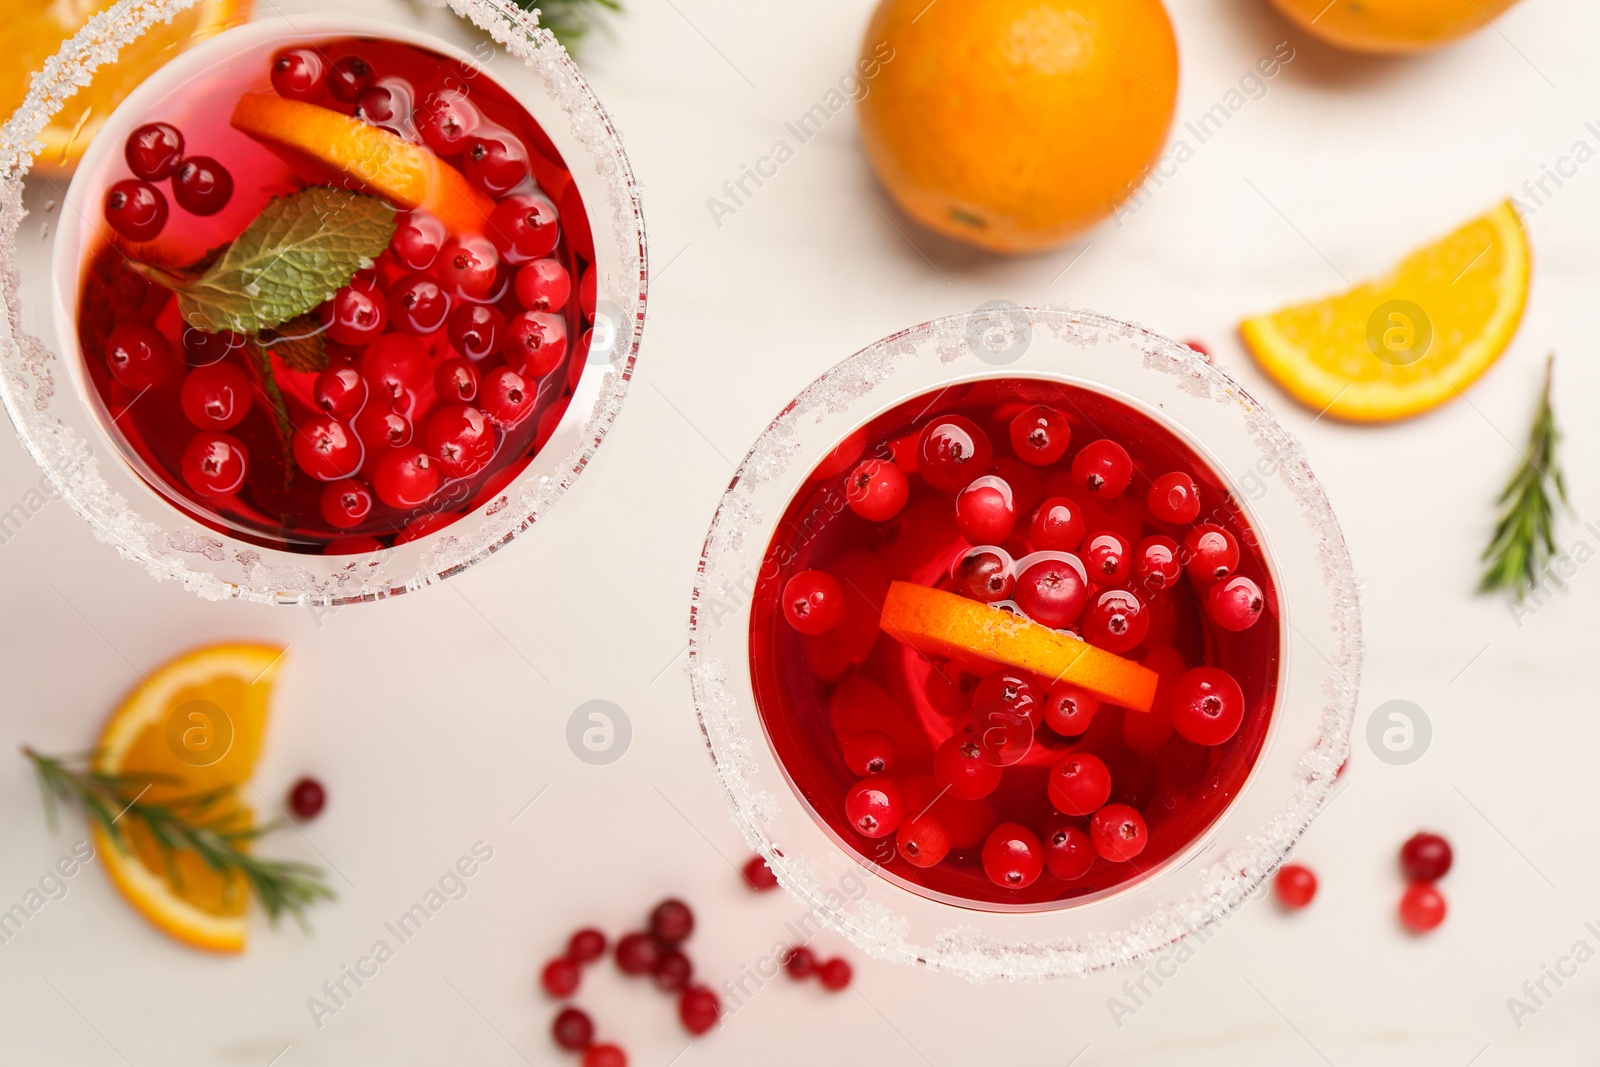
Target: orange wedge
(409, 174)
(198, 720)
(944, 624)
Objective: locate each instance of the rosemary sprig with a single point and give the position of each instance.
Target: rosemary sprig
(569, 20)
(1524, 539)
(182, 824)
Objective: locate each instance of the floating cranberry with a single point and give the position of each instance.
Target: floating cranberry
(1013, 858)
(468, 266)
(586, 945)
(215, 397)
(201, 348)
(543, 285)
(1102, 468)
(1207, 705)
(573, 1030)
(1210, 553)
(456, 380)
(800, 962)
(300, 74)
(460, 437)
(923, 840)
(1174, 498)
(758, 876)
(986, 511)
(507, 396)
(139, 356)
(1118, 832)
(202, 186)
(419, 304)
(418, 237)
(379, 429)
(1108, 557)
(1295, 885)
(345, 503)
(672, 921)
(876, 490)
(136, 209)
(446, 119)
(951, 451)
(354, 316)
(524, 227)
(214, 464)
(394, 363)
(834, 975)
(699, 1009)
(387, 105)
(874, 807)
(349, 78)
(868, 752)
(476, 330)
(153, 150)
(985, 574)
(1116, 621)
(1155, 563)
(958, 765)
(1052, 592)
(1426, 857)
(1422, 907)
(1068, 852)
(1069, 710)
(672, 971)
(560, 977)
(307, 798)
(496, 164)
(340, 390)
(1040, 435)
(1080, 784)
(606, 1055)
(405, 478)
(1234, 603)
(327, 449)
(1058, 526)
(813, 602)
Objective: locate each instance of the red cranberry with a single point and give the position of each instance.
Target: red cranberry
(672, 921)
(1422, 908)
(1058, 526)
(1174, 498)
(405, 478)
(1295, 885)
(874, 807)
(923, 840)
(496, 164)
(1013, 858)
(456, 380)
(387, 105)
(395, 363)
(800, 962)
(1207, 705)
(1118, 832)
(1234, 603)
(1040, 435)
(536, 342)
(834, 975)
(136, 209)
(868, 752)
(306, 798)
(417, 239)
(1051, 592)
(758, 876)
(202, 186)
(214, 464)
(951, 451)
(1069, 710)
(446, 119)
(153, 150)
(349, 78)
(587, 945)
(380, 430)
(985, 574)
(468, 266)
(560, 977)
(672, 971)
(354, 316)
(300, 74)
(201, 348)
(813, 602)
(699, 1009)
(507, 396)
(460, 437)
(637, 953)
(877, 490)
(418, 303)
(572, 1030)
(327, 449)
(215, 397)
(1103, 468)
(345, 503)
(1068, 852)
(1108, 558)
(1155, 563)
(476, 330)
(958, 765)
(586, 291)
(524, 227)
(139, 356)
(543, 285)
(1116, 621)
(985, 511)
(1079, 784)
(340, 390)
(1210, 553)
(1426, 857)
(606, 1055)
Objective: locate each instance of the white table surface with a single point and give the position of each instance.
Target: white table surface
(435, 718)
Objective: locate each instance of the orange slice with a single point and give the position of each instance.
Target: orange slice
(198, 720)
(409, 174)
(34, 30)
(1406, 343)
(944, 624)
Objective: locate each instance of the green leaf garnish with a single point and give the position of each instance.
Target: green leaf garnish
(1524, 539)
(298, 343)
(569, 20)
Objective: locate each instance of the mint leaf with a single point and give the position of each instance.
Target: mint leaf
(295, 255)
(298, 342)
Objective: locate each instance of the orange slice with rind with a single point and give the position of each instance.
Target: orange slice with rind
(194, 726)
(938, 623)
(409, 174)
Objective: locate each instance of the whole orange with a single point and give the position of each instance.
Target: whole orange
(1014, 124)
(1390, 26)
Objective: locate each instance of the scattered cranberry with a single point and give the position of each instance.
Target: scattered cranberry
(405, 478)
(354, 316)
(877, 490)
(460, 437)
(605, 1056)
(306, 798)
(507, 396)
(349, 78)
(923, 840)
(1118, 832)
(1079, 784)
(984, 574)
(958, 765)
(346, 503)
(495, 164)
(153, 150)
(1108, 558)
(1116, 621)
(868, 752)
(800, 962)
(418, 237)
(1207, 705)
(1069, 710)
(202, 186)
(1210, 553)
(951, 451)
(1057, 526)
(1426, 857)
(1156, 563)
(1040, 435)
(543, 285)
(1234, 603)
(1013, 858)
(136, 209)
(1052, 592)
(1068, 852)
(536, 342)
(456, 380)
(300, 74)
(813, 602)
(672, 971)
(672, 921)
(587, 945)
(214, 464)
(699, 1009)
(326, 449)
(469, 265)
(476, 330)
(1295, 886)
(560, 977)
(1422, 907)
(1174, 498)
(1103, 468)
(215, 397)
(985, 511)
(758, 876)
(418, 303)
(1198, 347)
(637, 953)
(446, 120)
(874, 807)
(572, 1030)
(834, 975)
(524, 228)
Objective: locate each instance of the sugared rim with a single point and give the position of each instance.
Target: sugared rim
(1202, 884)
(127, 514)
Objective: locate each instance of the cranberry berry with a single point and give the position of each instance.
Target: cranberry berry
(800, 962)
(834, 975)
(1118, 833)
(637, 954)
(446, 119)
(1422, 908)
(572, 1030)
(868, 752)
(672, 921)
(699, 1009)
(461, 438)
(1174, 498)
(139, 356)
(958, 765)
(215, 397)
(874, 807)
(349, 78)
(418, 303)
(524, 228)
(923, 840)
(300, 74)
(673, 971)
(587, 945)
(345, 503)
(758, 876)
(417, 239)
(1155, 563)
(153, 150)
(468, 266)
(983, 574)
(536, 343)
(1103, 468)
(1057, 526)
(813, 602)
(1426, 857)
(606, 1055)
(406, 478)
(456, 380)
(136, 209)
(951, 451)
(1068, 852)
(1079, 784)
(1295, 886)
(354, 316)
(1069, 710)
(507, 396)
(1013, 858)
(214, 464)
(1116, 621)
(543, 285)
(1210, 553)
(560, 977)
(476, 330)
(1234, 603)
(1207, 705)
(202, 186)
(1040, 435)
(985, 511)
(1108, 557)
(307, 798)
(1052, 592)
(496, 164)
(327, 449)
(340, 390)
(876, 490)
